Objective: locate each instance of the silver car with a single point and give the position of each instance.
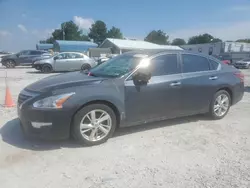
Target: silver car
(244, 63)
(65, 61)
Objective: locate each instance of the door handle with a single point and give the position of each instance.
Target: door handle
(213, 78)
(175, 84)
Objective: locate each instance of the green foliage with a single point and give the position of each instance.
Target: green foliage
(68, 31)
(202, 39)
(178, 42)
(243, 40)
(115, 33)
(157, 37)
(98, 32)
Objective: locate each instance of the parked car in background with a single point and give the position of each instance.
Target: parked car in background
(130, 89)
(65, 61)
(244, 63)
(23, 58)
(3, 53)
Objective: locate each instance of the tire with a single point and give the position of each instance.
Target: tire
(223, 107)
(85, 67)
(46, 69)
(10, 64)
(85, 138)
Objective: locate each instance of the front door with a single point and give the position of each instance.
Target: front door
(160, 97)
(62, 62)
(24, 58)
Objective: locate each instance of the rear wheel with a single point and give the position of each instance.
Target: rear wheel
(94, 124)
(220, 105)
(10, 64)
(46, 69)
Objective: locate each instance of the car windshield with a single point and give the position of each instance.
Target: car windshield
(117, 66)
(245, 60)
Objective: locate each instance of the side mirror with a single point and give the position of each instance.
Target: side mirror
(55, 58)
(142, 76)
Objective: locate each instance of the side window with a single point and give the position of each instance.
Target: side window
(26, 52)
(35, 53)
(74, 56)
(194, 63)
(165, 65)
(61, 56)
(214, 64)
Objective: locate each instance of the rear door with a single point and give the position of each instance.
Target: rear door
(76, 61)
(199, 83)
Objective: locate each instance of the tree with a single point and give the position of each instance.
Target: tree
(115, 33)
(243, 40)
(178, 42)
(157, 37)
(68, 31)
(201, 39)
(98, 32)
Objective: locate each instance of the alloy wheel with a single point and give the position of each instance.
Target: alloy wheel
(95, 125)
(221, 105)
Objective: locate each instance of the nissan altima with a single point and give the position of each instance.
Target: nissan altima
(129, 89)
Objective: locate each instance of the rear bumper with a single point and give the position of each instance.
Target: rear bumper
(238, 93)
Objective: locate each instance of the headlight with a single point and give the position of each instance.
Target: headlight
(37, 62)
(53, 101)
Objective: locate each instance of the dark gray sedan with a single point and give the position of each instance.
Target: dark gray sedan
(130, 89)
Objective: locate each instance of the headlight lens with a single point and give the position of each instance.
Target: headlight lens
(53, 101)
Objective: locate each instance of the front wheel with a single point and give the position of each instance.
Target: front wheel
(10, 64)
(46, 69)
(94, 124)
(220, 104)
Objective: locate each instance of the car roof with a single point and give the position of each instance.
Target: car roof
(158, 51)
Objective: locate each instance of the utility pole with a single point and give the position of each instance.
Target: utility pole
(63, 27)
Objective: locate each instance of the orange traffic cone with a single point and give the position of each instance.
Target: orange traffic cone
(8, 99)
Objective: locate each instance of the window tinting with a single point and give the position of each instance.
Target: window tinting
(165, 65)
(35, 53)
(214, 64)
(194, 63)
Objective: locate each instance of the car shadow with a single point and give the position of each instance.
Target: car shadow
(17, 67)
(247, 89)
(11, 134)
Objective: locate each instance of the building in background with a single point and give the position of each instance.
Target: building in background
(73, 46)
(119, 46)
(44, 46)
(233, 51)
(218, 47)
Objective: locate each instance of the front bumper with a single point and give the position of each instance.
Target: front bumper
(44, 124)
(241, 66)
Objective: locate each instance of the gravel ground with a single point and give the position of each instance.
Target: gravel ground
(186, 152)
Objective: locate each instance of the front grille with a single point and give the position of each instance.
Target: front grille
(240, 64)
(22, 98)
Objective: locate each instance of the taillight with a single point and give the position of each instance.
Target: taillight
(239, 75)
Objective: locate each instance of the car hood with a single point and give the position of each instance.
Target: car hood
(63, 80)
(9, 56)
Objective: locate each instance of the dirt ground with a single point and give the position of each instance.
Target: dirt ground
(185, 152)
